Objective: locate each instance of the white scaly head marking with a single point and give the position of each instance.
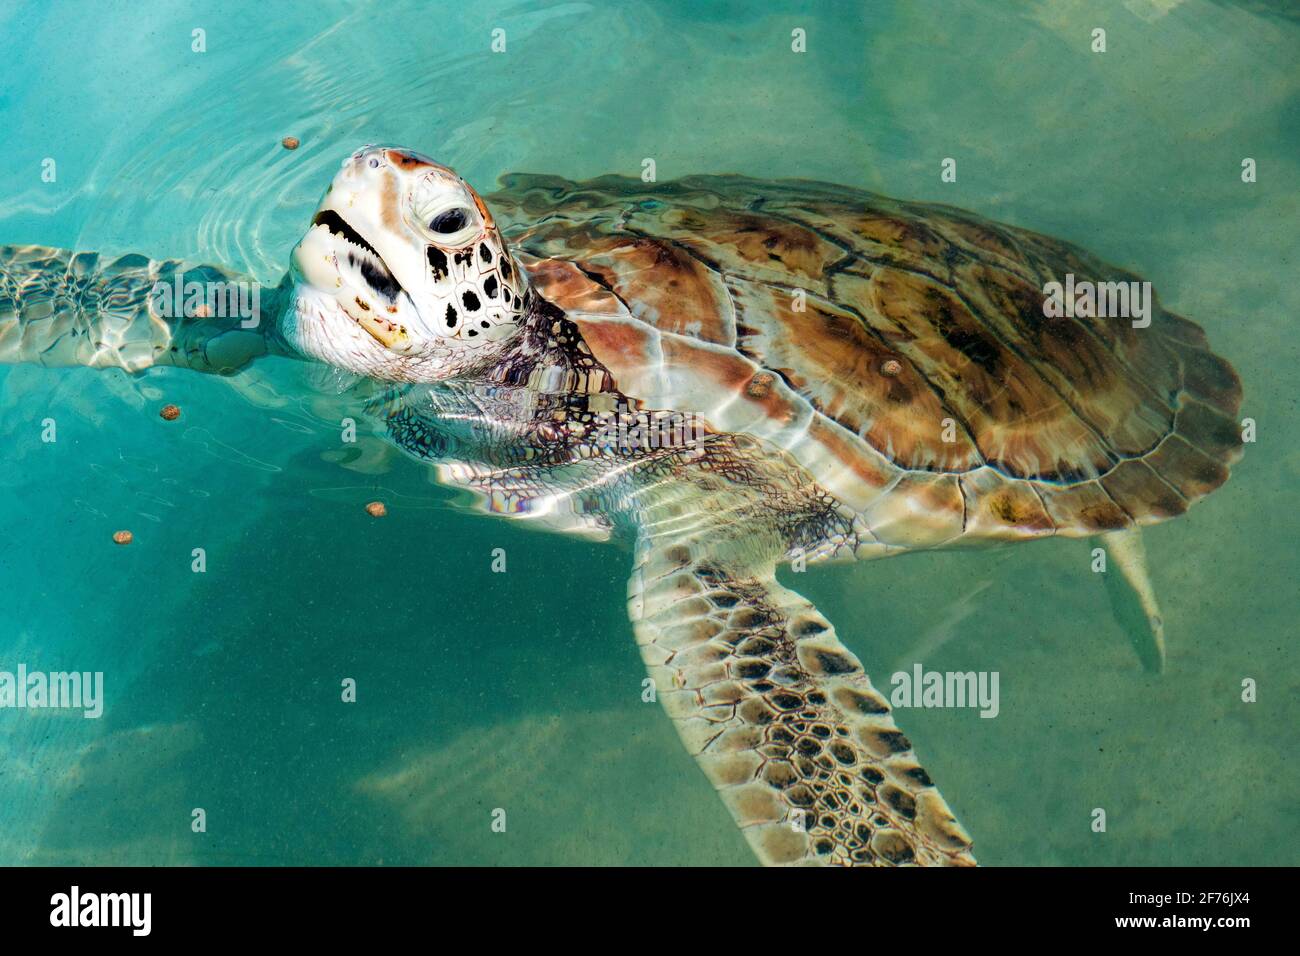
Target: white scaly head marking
(403, 275)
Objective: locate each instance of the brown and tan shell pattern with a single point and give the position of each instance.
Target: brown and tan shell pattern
(897, 350)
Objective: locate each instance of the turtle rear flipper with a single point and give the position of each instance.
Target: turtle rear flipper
(1133, 597)
(781, 717)
(60, 308)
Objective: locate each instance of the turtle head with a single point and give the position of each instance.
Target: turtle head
(403, 275)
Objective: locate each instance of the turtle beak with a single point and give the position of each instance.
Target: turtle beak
(387, 333)
(333, 243)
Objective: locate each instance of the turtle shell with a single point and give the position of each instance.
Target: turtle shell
(899, 351)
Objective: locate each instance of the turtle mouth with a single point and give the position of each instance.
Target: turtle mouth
(364, 261)
(361, 255)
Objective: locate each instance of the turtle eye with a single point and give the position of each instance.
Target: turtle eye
(452, 220)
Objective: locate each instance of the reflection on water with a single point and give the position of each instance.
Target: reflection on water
(478, 691)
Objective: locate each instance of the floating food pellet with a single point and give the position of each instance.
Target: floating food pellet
(170, 412)
(891, 367)
(376, 509)
(122, 537)
(289, 142)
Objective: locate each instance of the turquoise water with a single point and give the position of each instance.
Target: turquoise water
(522, 690)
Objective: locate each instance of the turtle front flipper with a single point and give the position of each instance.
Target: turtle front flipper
(781, 717)
(60, 308)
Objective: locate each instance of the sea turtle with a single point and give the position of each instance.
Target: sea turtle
(728, 374)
